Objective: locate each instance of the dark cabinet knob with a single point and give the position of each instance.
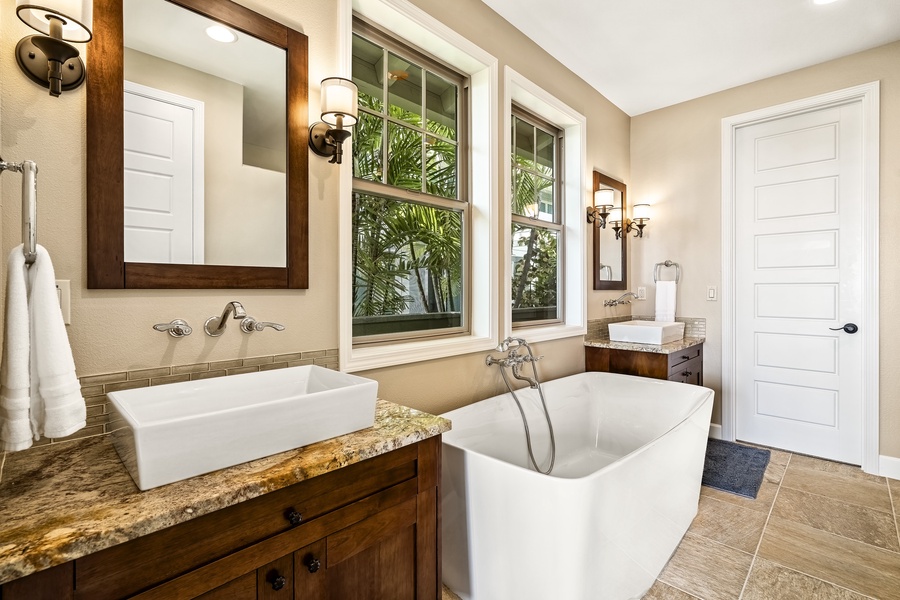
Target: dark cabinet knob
(312, 563)
(687, 374)
(278, 582)
(293, 517)
(684, 357)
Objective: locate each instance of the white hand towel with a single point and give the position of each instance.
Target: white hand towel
(665, 301)
(57, 407)
(15, 379)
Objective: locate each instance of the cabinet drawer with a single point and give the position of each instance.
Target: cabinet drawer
(146, 561)
(682, 356)
(688, 372)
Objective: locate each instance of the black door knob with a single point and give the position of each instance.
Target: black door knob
(278, 582)
(294, 517)
(848, 328)
(312, 564)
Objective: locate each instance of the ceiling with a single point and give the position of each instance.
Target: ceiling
(647, 54)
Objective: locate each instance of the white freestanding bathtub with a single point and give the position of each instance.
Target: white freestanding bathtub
(624, 490)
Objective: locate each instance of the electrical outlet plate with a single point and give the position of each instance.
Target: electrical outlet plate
(64, 291)
(642, 293)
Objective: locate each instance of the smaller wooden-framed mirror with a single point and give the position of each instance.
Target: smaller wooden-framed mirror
(610, 264)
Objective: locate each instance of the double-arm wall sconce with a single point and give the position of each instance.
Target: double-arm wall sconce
(48, 59)
(605, 212)
(641, 213)
(339, 110)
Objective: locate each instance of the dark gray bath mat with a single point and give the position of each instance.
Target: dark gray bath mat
(734, 468)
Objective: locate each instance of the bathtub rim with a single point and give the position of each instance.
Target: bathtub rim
(708, 395)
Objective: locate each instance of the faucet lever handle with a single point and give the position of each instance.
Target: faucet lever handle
(177, 328)
(249, 325)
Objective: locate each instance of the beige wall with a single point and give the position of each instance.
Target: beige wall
(111, 330)
(676, 166)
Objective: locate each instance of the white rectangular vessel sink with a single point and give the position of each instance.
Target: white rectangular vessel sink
(646, 332)
(171, 432)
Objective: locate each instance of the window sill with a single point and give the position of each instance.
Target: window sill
(373, 357)
(545, 333)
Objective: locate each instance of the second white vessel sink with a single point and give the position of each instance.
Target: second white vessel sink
(646, 332)
(171, 432)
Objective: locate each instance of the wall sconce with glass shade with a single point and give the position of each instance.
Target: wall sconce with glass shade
(339, 110)
(48, 59)
(604, 200)
(641, 214)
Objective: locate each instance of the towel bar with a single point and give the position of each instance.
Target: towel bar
(29, 170)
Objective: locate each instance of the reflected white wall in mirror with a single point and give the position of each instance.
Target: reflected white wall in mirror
(609, 253)
(205, 136)
(610, 247)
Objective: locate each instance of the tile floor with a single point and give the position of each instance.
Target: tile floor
(818, 530)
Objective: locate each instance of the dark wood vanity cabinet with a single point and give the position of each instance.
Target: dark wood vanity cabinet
(369, 530)
(685, 366)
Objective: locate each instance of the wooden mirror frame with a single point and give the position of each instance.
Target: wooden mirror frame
(599, 284)
(106, 266)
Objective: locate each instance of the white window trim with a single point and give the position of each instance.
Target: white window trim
(413, 25)
(575, 197)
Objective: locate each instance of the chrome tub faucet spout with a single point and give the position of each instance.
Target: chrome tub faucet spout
(215, 326)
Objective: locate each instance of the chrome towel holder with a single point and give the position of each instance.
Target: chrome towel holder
(667, 263)
(28, 169)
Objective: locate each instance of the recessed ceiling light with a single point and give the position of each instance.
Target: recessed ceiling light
(221, 33)
(823, 1)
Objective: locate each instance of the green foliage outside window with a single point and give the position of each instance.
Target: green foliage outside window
(407, 255)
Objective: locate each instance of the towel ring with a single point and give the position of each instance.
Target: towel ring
(667, 263)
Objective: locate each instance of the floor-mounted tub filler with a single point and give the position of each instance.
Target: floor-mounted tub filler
(603, 524)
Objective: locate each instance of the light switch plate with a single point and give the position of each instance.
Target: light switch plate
(712, 293)
(64, 291)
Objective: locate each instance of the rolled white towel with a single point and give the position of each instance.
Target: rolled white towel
(15, 378)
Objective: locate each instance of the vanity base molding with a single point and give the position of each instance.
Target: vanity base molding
(369, 530)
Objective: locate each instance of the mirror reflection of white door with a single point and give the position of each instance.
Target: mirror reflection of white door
(798, 254)
(163, 176)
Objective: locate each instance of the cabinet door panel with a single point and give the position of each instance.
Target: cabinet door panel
(383, 571)
(311, 579)
(275, 581)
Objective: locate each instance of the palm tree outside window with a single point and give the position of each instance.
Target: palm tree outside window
(410, 211)
(537, 228)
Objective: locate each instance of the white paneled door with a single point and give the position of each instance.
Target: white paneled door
(163, 195)
(798, 251)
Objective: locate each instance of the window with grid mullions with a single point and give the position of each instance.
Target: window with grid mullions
(410, 211)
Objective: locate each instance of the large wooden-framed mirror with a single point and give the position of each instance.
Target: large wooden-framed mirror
(112, 263)
(610, 254)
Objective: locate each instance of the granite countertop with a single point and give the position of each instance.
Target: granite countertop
(655, 348)
(63, 501)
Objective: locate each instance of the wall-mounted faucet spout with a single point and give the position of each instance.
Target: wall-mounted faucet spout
(620, 299)
(215, 326)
